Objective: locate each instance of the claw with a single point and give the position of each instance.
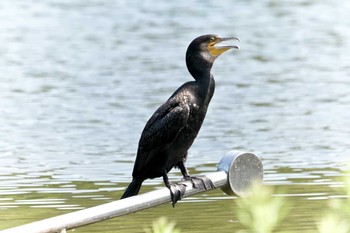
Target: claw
(176, 192)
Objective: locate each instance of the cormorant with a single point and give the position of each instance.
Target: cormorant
(170, 132)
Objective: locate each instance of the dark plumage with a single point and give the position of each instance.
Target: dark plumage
(170, 132)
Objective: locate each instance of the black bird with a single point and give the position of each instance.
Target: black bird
(170, 132)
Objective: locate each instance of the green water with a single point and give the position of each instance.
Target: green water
(213, 210)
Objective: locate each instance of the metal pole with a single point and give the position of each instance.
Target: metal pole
(236, 171)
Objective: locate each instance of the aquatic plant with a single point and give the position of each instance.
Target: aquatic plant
(337, 219)
(162, 225)
(260, 211)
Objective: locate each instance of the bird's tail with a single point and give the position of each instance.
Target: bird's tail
(133, 188)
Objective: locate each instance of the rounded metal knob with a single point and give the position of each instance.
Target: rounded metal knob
(243, 169)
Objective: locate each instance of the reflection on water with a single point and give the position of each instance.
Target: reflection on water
(80, 79)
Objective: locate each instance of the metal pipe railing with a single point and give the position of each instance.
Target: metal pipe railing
(236, 172)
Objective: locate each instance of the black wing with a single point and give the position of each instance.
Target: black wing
(160, 131)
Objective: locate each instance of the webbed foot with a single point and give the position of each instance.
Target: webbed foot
(176, 192)
(200, 182)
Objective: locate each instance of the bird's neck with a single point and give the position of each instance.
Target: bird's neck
(198, 67)
(204, 79)
(200, 70)
(200, 75)
(206, 88)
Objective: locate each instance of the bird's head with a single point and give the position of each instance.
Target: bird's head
(203, 51)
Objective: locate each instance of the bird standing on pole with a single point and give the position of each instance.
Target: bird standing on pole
(170, 132)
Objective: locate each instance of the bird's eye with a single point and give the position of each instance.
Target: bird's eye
(212, 39)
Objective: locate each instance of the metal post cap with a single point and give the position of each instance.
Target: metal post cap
(242, 168)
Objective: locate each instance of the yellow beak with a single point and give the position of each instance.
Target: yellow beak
(218, 50)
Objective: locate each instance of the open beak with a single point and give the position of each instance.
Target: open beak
(218, 50)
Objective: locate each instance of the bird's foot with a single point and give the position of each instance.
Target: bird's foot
(200, 182)
(176, 192)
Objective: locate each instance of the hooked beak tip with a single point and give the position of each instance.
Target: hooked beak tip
(230, 38)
